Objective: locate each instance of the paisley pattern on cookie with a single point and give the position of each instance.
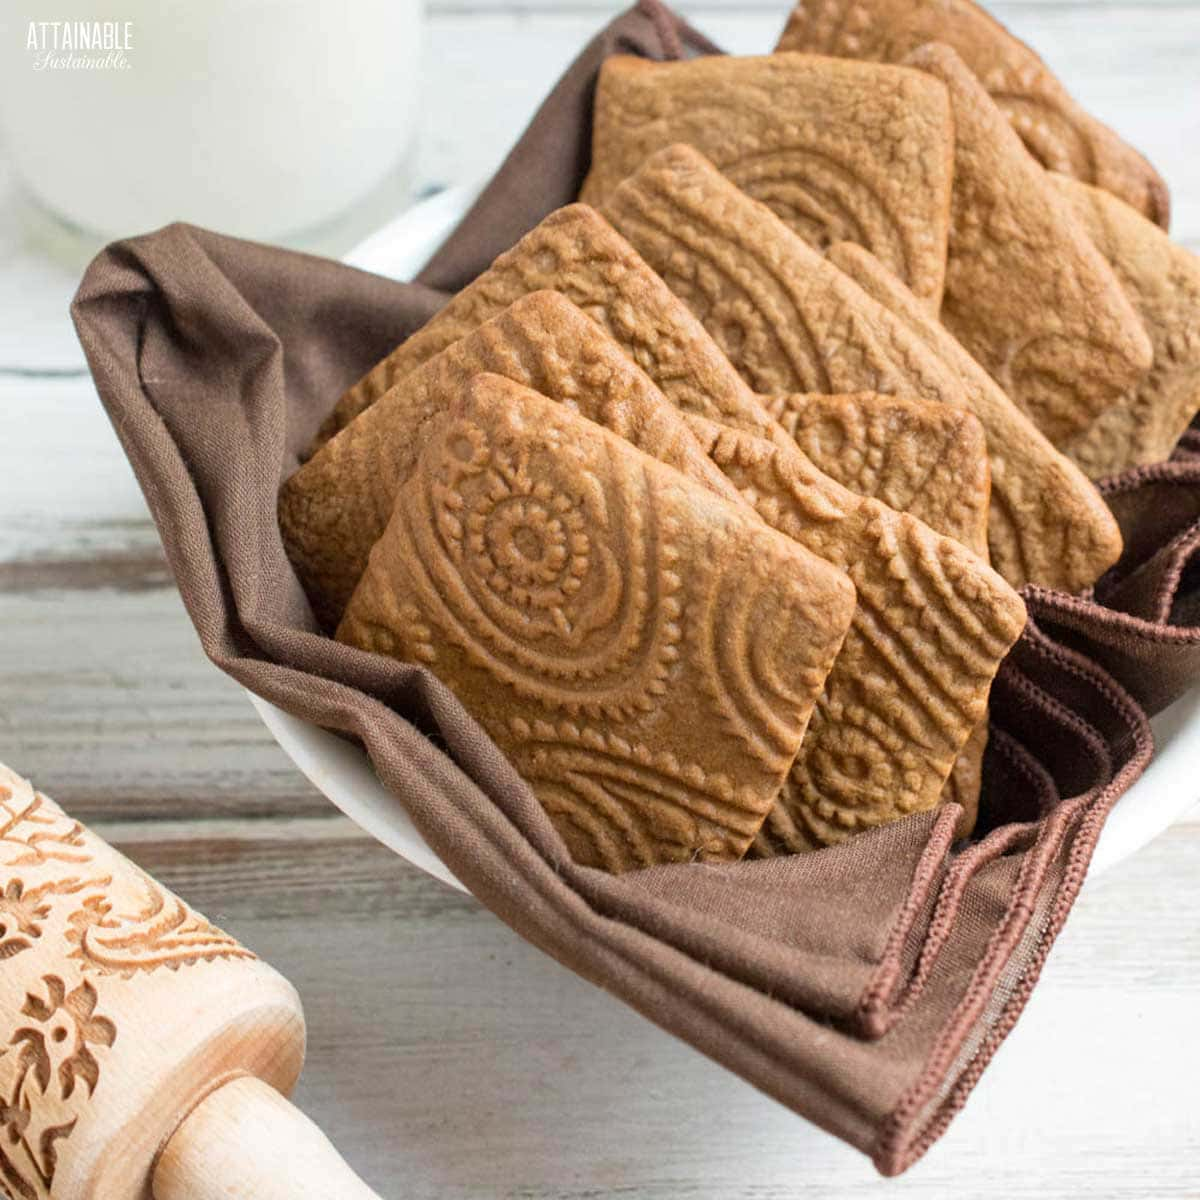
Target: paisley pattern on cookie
(332, 510)
(645, 652)
(1047, 524)
(574, 251)
(1060, 134)
(925, 459)
(577, 251)
(910, 686)
(1163, 281)
(1027, 293)
(840, 151)
(785, 317)
(792, 321)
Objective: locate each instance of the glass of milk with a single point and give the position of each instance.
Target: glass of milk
(276, 120)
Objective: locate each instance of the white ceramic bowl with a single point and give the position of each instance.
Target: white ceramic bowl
(343, 772)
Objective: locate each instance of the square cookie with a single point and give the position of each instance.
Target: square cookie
(1027, 293)
(645, 653)
(332, 510)
(793, 321)
(1060, 134)
(1162, 280)
(1047, 524)
(838, 150)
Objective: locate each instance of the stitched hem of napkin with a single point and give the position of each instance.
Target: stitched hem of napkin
(907, 1133)
(1074, 613)
(890, 995)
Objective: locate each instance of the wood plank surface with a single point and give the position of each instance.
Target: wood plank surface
(433, 1028)
(450, 1059)
(107, 700)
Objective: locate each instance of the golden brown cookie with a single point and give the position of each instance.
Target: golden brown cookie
(1057, 131)
(332, 510)
(842, 527)
(965, 780)
(1047, 524)
(786, 318)
(931, 625)
(646, 654)
(576, 252)
(1163, 281)
(840, 150)
(1027, 293)
(791, 320)
(925, 459)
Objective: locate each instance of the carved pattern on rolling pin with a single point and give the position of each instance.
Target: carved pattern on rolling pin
(51, 1055)
(161, 932)
(85, 907)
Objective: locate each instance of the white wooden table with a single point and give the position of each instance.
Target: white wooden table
(448, 1058)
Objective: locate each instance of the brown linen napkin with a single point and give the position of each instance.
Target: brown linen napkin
(1144, 621)
(866, 985)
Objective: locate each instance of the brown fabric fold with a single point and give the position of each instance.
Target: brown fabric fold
(867, 985)
(1143, 622)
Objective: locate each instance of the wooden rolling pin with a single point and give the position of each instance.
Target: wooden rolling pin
(143, 1052)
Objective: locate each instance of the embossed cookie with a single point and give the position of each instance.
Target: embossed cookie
(1058, 132)
(909, 689)
(791, 320)
(914, 759)
(839, 150)
(336, 505)
(786, 318)
(925, 459)
(646, 654)
(1027, 293)
(1047, 524)
(576, 252)
(1163, 281)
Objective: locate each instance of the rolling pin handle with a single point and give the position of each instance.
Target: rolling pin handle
(244, 1141)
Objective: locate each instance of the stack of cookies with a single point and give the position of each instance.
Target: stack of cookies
(709, 499)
